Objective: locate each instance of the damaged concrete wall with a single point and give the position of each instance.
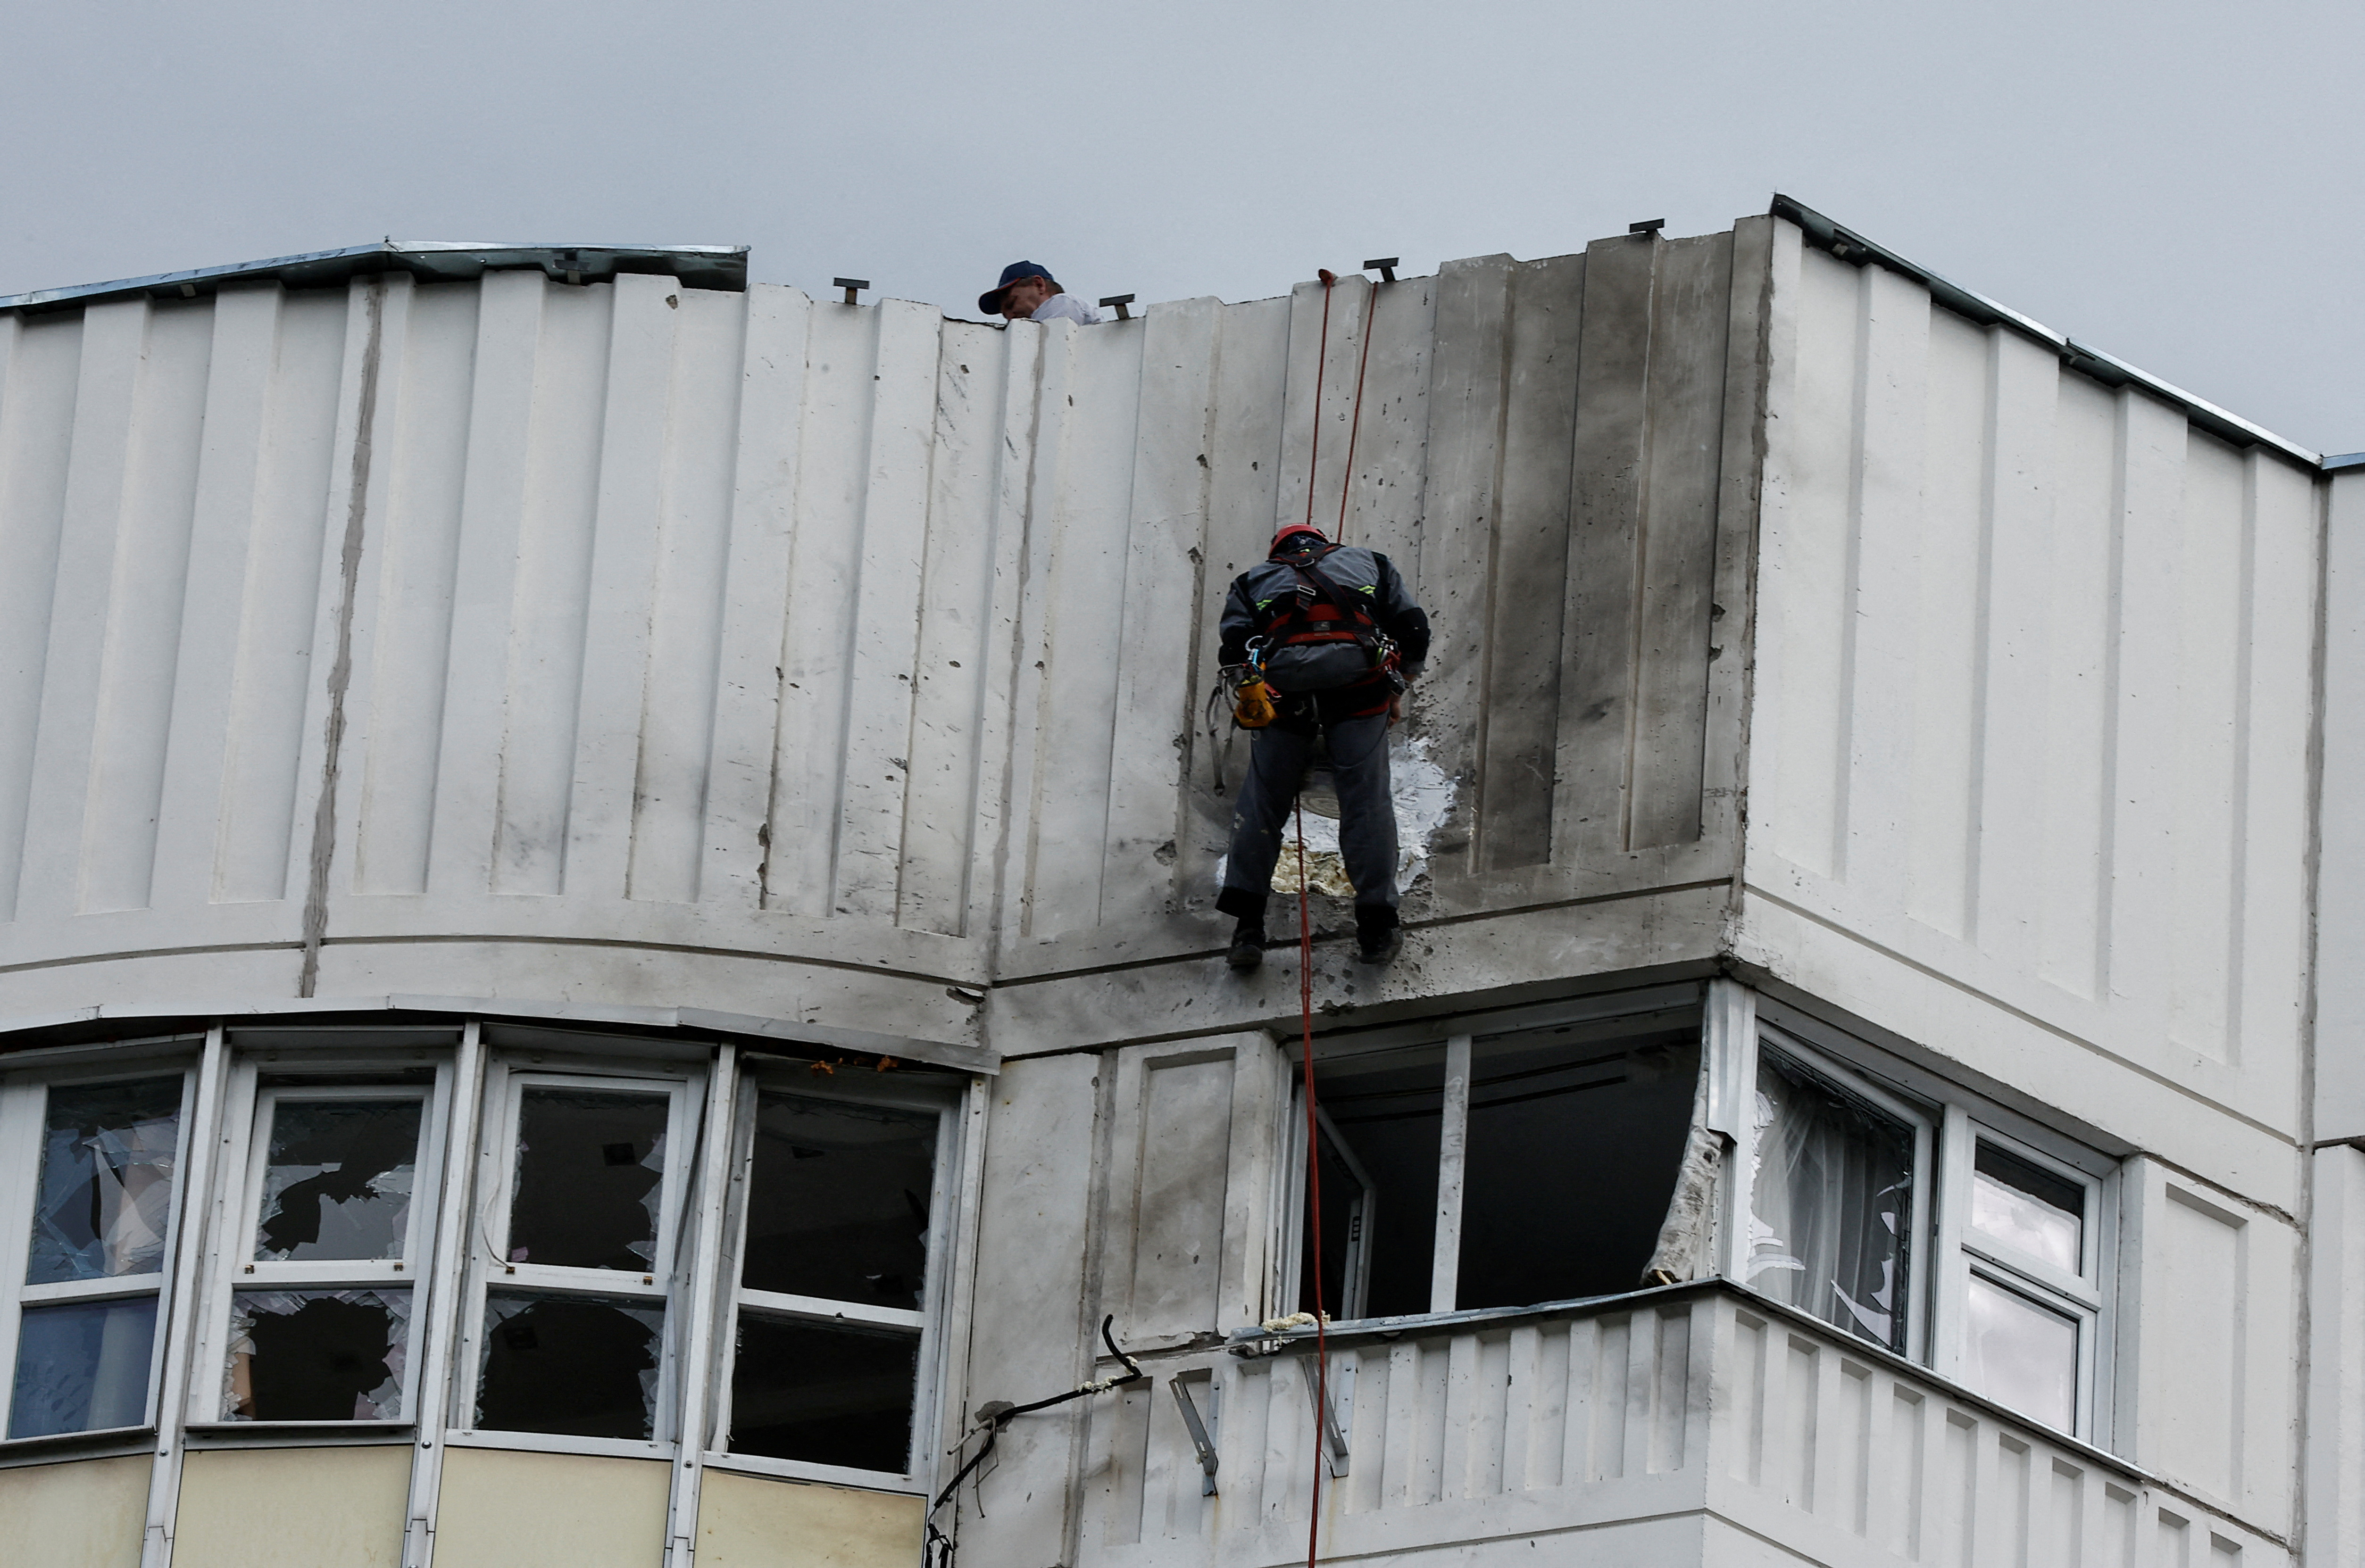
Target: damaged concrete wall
(805, 659)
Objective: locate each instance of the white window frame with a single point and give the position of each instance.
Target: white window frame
(663, 1287)
(2083, 1297)
(1923, 1258)
(23, 1116)
(231, 1266)
(1617, 1013)
(947, 1105)
(1952, 1251)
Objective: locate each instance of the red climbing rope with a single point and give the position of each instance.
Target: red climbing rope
(1313, 1183)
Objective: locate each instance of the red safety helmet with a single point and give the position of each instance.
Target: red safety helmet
(1286, 529)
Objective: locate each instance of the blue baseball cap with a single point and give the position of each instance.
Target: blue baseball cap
(989, 302)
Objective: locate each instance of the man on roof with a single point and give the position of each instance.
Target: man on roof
(1331, 630)
(1026, 293)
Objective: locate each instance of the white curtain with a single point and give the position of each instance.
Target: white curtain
(1832, 1203)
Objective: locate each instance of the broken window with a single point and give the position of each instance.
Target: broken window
(579, 1366)
(101, 1166)
(580, 1262)
(335, 1205)
(1905, 1216)
(1503, 1170)
(1833, 1220)
(833, 1281)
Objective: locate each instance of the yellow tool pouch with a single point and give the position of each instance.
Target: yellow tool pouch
(1253, 705)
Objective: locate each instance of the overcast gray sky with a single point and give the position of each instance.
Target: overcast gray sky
(2172, 182)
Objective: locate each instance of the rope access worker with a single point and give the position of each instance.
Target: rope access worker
(1331, 631)
(1026, 293)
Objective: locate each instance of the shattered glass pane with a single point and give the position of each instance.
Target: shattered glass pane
(316, 1356)
(590, 1176)
(838, 1201)
(106, 1197)
(832, 1395)
(338, 1180)
(1831, 1204)
(580, 1366)
(82, 1367)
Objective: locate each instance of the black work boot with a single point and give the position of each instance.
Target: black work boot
(1248, 945)
(1376, 935)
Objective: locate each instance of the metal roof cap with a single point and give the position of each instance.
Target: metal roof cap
(430, 261)
(1851, 247)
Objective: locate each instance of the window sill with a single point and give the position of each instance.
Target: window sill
(299, 1434)
(112, 1442)
(550, 1443)
(1259, 1341)
(820, 1474)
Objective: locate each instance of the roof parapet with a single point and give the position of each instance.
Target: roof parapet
(1849, 246)
(696, 266)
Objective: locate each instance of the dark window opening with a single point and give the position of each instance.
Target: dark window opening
(590, 1168)
(337, 1181)
(1385, 1111)
(575, 1366)
(1572, 1158)
(824, 1394)
(1571, 1143)
(317, 1355)
(838, 1201)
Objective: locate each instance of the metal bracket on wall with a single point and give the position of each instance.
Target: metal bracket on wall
(1339, 1416)
(1199, 1439)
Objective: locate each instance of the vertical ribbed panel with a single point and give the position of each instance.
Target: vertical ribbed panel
(738, 622)
(2033, 683)
(1451, 1436)
(1514, 1438)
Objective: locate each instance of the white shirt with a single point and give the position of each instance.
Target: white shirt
(1066, 308)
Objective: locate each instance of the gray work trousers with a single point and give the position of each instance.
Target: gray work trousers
(1367, 813)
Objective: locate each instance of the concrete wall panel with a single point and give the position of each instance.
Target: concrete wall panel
(745, 1521)
(80, 1514)
(644, 615)
(502, 1509)
(292, 1508)
(2208, 1325)
(2034, 680)
(1193, 1149)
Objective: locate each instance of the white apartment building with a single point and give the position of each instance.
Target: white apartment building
(606, 951)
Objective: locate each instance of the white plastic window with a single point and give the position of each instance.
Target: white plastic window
(332, 1198)
(578, 1213)
(1838, 1204)
(2028, 1298)
(1899, 1208)
(89, 1190)
(838, 1239)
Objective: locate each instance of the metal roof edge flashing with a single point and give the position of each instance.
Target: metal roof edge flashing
(2343, 462)
(721, 267)
(1847, 246)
